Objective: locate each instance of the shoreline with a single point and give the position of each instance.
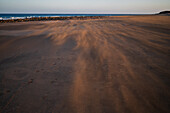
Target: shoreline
(51, 18)
(61, 18)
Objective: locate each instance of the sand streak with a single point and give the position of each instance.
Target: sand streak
(110, 65)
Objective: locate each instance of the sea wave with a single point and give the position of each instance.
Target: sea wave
(23, 16)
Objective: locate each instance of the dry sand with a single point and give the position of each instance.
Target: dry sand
(110, 65)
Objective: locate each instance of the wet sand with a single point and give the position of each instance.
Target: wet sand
(109, 65)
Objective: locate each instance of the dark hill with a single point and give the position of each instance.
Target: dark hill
(165, 12)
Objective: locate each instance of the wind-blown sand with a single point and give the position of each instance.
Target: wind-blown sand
(110, 65)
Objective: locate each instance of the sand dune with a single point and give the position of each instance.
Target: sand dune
(109, 65)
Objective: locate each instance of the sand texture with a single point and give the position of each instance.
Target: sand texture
(108, 65)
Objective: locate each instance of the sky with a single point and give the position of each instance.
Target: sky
(84, 6)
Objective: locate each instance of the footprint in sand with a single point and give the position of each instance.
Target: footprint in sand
(17, 73)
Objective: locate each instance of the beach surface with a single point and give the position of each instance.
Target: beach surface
(109, 65)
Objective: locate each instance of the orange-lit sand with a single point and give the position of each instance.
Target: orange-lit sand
(110, 65)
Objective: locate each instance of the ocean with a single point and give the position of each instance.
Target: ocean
(22, 16)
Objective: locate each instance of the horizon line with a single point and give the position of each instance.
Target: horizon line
(68, 13)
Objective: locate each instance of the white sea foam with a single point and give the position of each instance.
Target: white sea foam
(12, 18)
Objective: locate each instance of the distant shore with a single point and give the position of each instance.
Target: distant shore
(51, 18)
(57, 18)
(10, 18)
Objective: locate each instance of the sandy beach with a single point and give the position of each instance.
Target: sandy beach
(109, 65)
